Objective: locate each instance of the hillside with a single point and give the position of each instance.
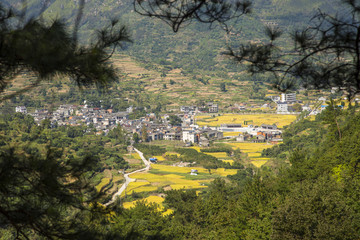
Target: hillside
(196, 48)
(175, 69)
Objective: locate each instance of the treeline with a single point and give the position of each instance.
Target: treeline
(71, 142)
(316, 196)
(312, 194)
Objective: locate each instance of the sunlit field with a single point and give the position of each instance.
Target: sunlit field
(253, 150)
(160, 158)
(228, 161)
(104, 182)
(279, 119)
(217, 154)
(175, 177)
(151, 199)
(173, 180)
(136, 156)
(196, 148)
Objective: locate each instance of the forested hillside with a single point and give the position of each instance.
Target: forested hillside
(196, 48)
(171, 69)
(55, 179)
(311, 194)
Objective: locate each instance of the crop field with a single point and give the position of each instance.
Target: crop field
(196, 148)
(253, 150)
(279, 119)
(160, 158)
(136, 156)
(173, 180)
(148, 200)
(258, 163)
(217, 154)
(175, 177)
(172, 153)
(103, 182)
(231, 134)
(250, 147)
(224, 172)
(138, 187)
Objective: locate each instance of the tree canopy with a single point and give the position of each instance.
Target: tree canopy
(325, 54)
(47, 49)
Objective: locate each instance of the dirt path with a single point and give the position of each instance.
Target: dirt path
(128, 179)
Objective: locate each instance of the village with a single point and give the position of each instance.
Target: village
(155, 127)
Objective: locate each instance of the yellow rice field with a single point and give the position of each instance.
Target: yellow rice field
(196, 148)
(224, 172)
(103, 182)
(279, 119)
(253, 150)
(136, 156)
(228, 161)
(217, 154)
(173, 169)
(150, 199)
(175, 181)
(258, 163)
(172, 153)
(172, 179)
(160, 158)
(250, 147)
(138, 187)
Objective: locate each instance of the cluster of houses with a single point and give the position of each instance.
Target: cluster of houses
(209, 107)
(76, 115)
(151, 127)
(284, 102)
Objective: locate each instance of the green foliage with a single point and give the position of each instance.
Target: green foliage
(223, 87)
(48, 49)
(317, 210)
(175, 120)
(36, 195)
(208, 161)
(150, 150)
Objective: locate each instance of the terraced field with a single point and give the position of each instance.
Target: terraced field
(151, 199)
(165, 177)
(257, 119)
(253, 150)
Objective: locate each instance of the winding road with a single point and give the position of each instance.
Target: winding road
(128, 179)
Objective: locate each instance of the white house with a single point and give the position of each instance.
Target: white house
(21, 109)
(189, 136)
(282, 107)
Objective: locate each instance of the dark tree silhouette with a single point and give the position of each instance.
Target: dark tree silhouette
(45, 50)
(181, 12)
(46, 195)
(326, 54)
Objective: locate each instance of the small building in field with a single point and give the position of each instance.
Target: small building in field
(153, 160)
